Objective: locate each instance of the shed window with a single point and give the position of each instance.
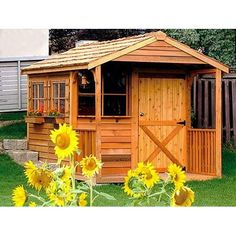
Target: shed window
(58, 97)
(115, 91)
(86, 93)
(38, 97)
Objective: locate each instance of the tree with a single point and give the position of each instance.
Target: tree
(217, 43)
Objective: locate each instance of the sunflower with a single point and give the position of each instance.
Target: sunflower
(66, 141)
(182, 197)
(82, 200)
(64, 173)
(40, 178)
(177, 175)
(29, 168)
(19, 196)
(90, 166)
(148, 174)
(132, 181)
(59, 193)
(32, 204)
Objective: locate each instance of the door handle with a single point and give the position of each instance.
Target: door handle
(182, 123)
(141, 113)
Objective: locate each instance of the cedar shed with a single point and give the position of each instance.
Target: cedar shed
(129, 99)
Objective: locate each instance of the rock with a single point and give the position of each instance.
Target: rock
(21, 156)
(21, 144)
(15, 144)
(9, 144)
(1, 147)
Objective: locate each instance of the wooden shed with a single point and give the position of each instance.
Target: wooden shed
(129, 99)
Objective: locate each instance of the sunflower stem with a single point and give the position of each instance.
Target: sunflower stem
(72, 164)
(37, 197)
(91, 191)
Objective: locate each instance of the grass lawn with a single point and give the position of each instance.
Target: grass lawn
(12, 116)
(218, 192)
(17, 130)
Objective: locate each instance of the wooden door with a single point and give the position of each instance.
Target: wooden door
(162, 115)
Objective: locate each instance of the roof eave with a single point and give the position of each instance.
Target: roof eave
(198, 55)
(30, 71)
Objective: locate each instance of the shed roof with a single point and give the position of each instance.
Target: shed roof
(88, 56)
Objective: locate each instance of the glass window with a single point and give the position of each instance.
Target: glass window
(38, 97)
(115, 90)
(58, 99)
(86, 90)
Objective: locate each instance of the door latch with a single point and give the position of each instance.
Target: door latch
(182, 123)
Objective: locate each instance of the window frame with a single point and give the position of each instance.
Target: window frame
(126, 95)
(58, 98)
(86, 94)
(38, 98)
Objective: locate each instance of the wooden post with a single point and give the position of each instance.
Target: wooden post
(218, 114)
(135, 117)
(188, 109)
(73, 100)
(98, 87)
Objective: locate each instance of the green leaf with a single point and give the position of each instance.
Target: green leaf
(107, 196)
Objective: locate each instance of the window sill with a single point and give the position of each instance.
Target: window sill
(116, 117)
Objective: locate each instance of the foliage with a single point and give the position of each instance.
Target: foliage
(146, 188)
(217, 43)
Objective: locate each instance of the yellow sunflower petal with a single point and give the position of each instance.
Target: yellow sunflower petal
(182, 197)
(32, 204)
(82, 200)
(148, 174)
(177, 175)
(65, 140)
(90, 166)
(19, 196)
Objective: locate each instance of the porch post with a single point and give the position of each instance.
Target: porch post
(97, 78)
(218, 141)
(73, 100)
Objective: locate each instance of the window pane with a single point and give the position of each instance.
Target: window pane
(115, 80)
(35, 91)
(35, 107)
(86, 105)
(86, 82)
(62, 90)
(62, 106)
(114, 105)
(55, 90)
(41, 91)
(55, 104)
(41, 106)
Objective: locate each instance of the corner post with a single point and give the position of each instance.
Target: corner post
(73, 100)
(98, 87)
(218, 113)
(135, 117)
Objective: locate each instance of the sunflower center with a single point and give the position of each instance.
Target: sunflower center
(176, 177)
(181, 197)
(148, 174)
(91, 165)
(63, 140)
